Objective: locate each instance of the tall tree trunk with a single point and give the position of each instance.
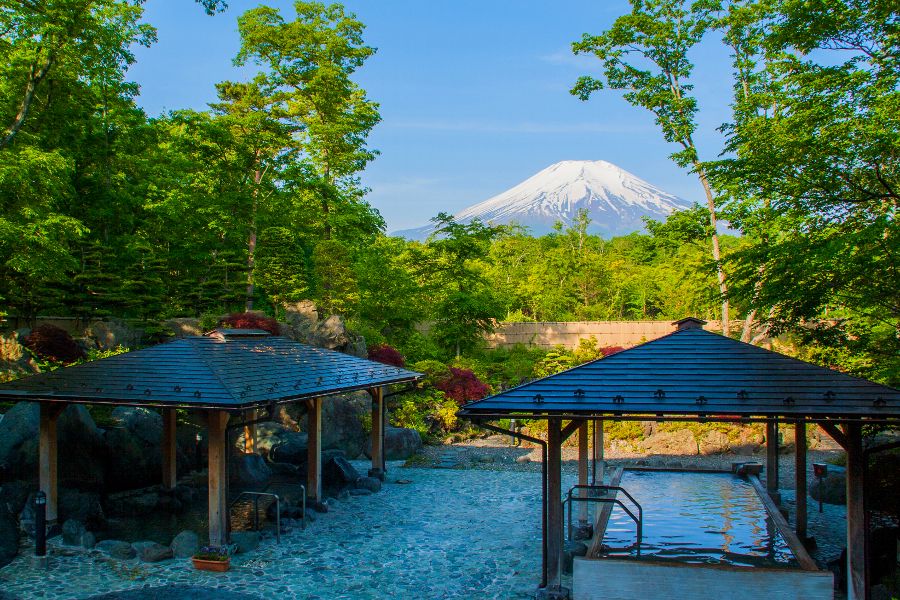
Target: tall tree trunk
(251, 241)
(38, 73)
(713, 221)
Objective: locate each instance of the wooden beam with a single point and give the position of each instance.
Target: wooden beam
(604, 514)
(377, 434)
(836, 434)
(314, 450)
(47, 456)
(169, 449)
(216, 422)
(554, 502)
(800, 520)
(803, 558)
(856, 514)
(772, 458)
(583, 471)
(570, 428)
(598, 464)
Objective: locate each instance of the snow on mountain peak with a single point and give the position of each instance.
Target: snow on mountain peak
(616, 201)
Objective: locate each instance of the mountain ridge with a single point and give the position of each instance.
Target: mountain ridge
(616, 201)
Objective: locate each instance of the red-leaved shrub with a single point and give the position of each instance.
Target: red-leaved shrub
(610, 350)
(246, 320)
(52, 343)
(463, 386)
(387, 355)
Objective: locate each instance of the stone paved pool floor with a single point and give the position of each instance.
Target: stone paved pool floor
(446, 534)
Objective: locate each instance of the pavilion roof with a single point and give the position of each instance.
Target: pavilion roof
(698, 374)
(229, 368)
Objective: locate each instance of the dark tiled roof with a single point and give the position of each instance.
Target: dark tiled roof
(696, 372)
(227, 369)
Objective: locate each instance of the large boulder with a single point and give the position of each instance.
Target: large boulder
(714, 442)
(400, 443)
(185, 544)
(303, 324)
(112, 333)
(183, 327)
(117, 549)
(342, 423)
(678, 443)
(250, 472)
(338, 473)
(14, 360)
(133, 454)
(833, 489)
(291, 449)
(152, 551)
(81, 506)
(9, 536)
(80, 446)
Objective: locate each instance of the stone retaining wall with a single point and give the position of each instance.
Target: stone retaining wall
(569, 334)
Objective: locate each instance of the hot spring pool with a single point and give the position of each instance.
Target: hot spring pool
(699, 518)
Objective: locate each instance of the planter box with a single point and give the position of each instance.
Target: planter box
(218, 566)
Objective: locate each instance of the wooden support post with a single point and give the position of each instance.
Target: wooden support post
(554, 502)
(583, 471)
(314, 450)
(216, 422)
(800, 478)
(599, 465)
(856, 514)
(169, 451)
(772, 459)
(49, 414)
(377, 434)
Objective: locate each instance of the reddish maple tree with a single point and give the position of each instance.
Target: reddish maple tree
(53, 343)
(463, 386)
(247, 320)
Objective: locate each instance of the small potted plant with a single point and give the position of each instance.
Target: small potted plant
(212, 558)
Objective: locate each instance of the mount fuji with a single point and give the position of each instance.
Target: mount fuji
(614, 198)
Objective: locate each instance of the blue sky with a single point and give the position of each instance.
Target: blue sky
(474, 95)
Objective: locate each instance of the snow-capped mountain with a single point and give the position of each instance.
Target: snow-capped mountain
(615, 199)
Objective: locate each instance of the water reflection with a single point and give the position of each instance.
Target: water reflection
(699, 518)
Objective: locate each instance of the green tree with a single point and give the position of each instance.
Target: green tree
(812, 175)
(645, 53)
(309, 63)
(451, 264)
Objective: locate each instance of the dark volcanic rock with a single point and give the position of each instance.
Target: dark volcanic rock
(250, 472)
(185, 544)
(339, 473)
(117, 549)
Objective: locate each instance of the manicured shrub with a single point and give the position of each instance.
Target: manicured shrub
(249, 320)
(49, 342)
(386, 354)
(434, 370)
(463, 386)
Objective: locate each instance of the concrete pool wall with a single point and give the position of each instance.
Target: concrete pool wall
(622, 579)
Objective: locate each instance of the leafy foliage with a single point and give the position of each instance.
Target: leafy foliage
(386, 354)
(463, 386)
(248, 320)
(53, 343)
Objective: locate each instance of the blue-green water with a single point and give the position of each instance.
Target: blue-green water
(699, 518)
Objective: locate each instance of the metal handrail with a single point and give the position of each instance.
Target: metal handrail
(638, 520)
(256, 497)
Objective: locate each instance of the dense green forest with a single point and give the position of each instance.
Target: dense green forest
(256, 202)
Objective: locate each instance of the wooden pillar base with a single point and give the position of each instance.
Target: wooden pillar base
(554, 503)
(216, 422)
(169, 449)
(47, 456)
(314, 451)
(377, 435)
